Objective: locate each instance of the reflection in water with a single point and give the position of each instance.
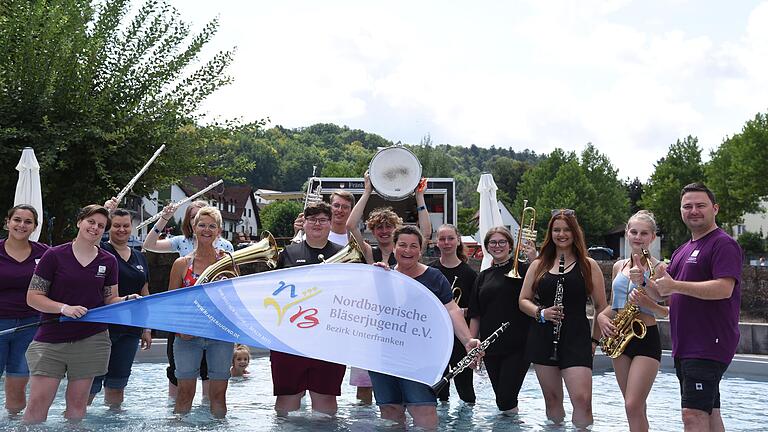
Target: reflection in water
(250, 400)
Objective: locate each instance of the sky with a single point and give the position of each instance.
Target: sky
(631, 77)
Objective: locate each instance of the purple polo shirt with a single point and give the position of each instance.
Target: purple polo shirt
(706, 329)
(14, 281)
(75, 285)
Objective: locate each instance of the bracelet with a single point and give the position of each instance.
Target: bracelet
(420, 208)
(538, 313)
(542, 320)
(595, 341)
(165, 219)
(157, 230)
(61, 311)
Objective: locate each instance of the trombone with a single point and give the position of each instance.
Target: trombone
(524, 233)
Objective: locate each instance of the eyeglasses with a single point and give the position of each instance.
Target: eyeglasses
(203, 226)
(564, 212)
(317, 221)
(341, 206)
(494, 243)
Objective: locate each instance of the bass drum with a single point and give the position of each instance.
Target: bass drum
(395, 172)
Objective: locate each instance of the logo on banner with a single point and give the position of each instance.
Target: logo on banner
(285, 297)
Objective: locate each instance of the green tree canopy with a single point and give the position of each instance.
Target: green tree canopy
(278, 217)
(680, 167)
(737, 171)
(586, 184)
(95, 89)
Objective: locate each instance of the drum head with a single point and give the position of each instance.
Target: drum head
(395, 172)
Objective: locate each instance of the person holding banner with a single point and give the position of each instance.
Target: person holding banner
(188, 351)
(185, 243)
(69, 280)
(293, 375)
(383, 222)
(494, 302)
(453, 265)
(393, 394)
(18, 257)
(133, 278)
(565, 354)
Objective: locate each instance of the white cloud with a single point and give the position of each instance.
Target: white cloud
(526, 74)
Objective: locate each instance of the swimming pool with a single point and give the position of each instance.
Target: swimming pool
(250, 403)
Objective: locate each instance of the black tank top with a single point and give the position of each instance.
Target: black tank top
(378, 256)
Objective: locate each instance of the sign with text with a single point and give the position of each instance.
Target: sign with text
(352, 314)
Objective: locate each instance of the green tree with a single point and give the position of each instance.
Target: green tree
(278, 217)
(752, 243)
(465, 221)
(635, 195)
(95, 89)
(507, 173)
(680, 167)
(737, 171)
(587, 185)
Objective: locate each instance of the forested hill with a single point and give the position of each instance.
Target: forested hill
(284, 158)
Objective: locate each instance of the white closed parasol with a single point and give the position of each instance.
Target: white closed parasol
(489, 213)
(28, 190)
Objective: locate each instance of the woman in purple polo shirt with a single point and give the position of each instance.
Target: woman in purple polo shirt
(69, 280)
(18, 257)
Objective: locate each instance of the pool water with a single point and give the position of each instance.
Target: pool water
(250, 401)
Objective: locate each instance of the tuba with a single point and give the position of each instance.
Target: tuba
(627, 324)
(351, 253)
(263, 251)
(523, 233)
(310, 197)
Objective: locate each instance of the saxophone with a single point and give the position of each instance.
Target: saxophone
(558, 325)
(627, 324)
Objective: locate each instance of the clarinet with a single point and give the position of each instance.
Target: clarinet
(558, 303)
(469, 358)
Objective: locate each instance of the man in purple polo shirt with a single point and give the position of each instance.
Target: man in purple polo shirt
(703, 284)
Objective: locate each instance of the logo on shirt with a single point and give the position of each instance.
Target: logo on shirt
(101, 271)
(300, 261)
(140, 267)
(699, 386)
(37, 261)
(692, 259)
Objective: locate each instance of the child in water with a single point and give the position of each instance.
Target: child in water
(241, 358)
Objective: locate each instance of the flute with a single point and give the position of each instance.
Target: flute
(135, 178)
(469, 358)
(159, 214)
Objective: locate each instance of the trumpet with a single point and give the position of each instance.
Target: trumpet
(185, 200)
(526, 233)
(310, 197)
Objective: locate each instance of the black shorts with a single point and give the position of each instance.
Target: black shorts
(649, 346)
(700, 383)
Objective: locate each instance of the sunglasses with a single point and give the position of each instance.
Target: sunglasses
(564, 212)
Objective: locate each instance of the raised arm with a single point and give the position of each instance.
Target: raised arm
(425, 225)
(153, 242)
(356, 215)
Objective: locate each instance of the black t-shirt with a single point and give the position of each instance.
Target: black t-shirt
(131, 277)
(299, 254)
(495, 300)
(465, 282)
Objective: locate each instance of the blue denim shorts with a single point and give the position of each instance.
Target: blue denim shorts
(14, 346)
(124, 347)
(391, 390)
(189, 353)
